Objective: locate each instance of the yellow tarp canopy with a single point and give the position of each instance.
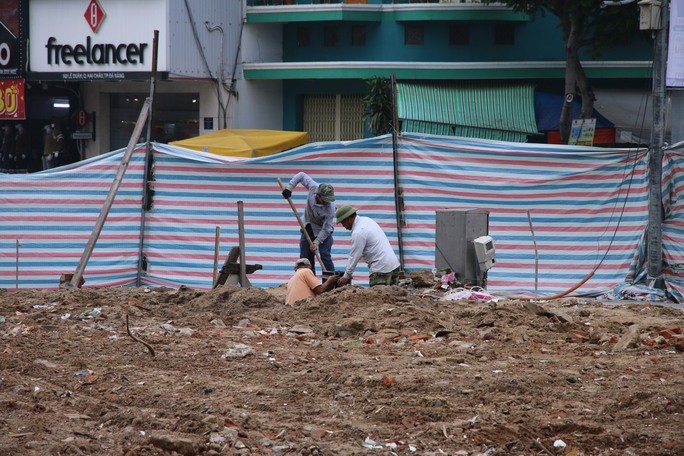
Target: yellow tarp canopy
(245, 143)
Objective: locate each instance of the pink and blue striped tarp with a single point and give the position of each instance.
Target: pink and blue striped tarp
(588, 206)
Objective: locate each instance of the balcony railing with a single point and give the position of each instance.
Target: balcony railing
(357, 2)
(281, 11)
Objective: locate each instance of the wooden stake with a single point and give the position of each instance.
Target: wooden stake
(216, 255)
(243, 257)
(104, 212)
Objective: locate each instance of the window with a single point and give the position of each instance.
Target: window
(413, 34)
(334, 117)
(303, 36)
(358, 35)
(504, 34)
(459, 34)
(330, 36)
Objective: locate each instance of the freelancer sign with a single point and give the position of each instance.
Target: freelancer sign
(98, 54)
(102, 41)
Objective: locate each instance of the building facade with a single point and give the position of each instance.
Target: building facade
(85, 65)
(91, 61)
(311, 57)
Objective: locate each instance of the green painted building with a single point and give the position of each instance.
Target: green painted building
(304, 62)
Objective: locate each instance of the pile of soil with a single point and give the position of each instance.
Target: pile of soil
(386, 370)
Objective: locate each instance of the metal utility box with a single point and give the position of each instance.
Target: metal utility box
(649, 14)
(455, 231)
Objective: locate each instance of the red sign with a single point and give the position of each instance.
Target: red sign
(13, 32)
(94, 15)
(81, 118)
(12, 102)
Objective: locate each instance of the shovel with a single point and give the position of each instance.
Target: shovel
(301, 224)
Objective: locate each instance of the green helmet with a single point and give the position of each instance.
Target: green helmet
(344, 212)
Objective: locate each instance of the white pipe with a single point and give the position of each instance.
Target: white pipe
(213, 28)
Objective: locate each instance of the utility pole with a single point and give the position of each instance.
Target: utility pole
(655, 16)
(655, 205)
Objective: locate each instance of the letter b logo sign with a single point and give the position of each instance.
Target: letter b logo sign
(81, 118)
(94, 15)
(5, 54)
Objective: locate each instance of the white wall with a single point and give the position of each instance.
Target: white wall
(260, 102)
(262, 43)
(260, 105)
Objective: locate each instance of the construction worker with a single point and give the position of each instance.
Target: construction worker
(370, 242)
(318, 219)
(303, 283)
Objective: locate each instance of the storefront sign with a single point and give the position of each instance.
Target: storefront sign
(96, 39)
(582, 132)
(94, 15)
(12, 103)
(82, 135)
(98, 54)
(12, 37)
(81, 118)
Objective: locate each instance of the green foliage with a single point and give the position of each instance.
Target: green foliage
(597, 28)
(378, 106)
(615, 25)
(585, 24)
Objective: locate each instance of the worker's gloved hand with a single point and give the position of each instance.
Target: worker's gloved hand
(287, 193)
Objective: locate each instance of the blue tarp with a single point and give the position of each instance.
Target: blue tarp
(547, 111)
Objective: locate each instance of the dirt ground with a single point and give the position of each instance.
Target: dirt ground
(387, 370)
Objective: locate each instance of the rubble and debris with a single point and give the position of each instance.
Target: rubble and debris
(385, 370)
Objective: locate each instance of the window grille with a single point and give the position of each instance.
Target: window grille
(333, 117)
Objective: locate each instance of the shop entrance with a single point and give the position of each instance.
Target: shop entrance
(43, 139)
(175, 117)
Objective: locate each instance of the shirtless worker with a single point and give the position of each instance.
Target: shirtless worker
(303, 284)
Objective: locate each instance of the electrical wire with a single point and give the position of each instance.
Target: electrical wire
(622, 211)
(231, 90)
(204, 57)
(197, 40)
(610, 244)
(607, 250)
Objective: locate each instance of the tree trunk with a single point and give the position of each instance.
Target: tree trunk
(586, 91)
(575, 78)
(565, 122)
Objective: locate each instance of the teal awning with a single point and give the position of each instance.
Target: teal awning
(490, 110)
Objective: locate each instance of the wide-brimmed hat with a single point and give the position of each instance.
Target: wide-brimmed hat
(326, 192)
(344, 211)
(302, 263)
